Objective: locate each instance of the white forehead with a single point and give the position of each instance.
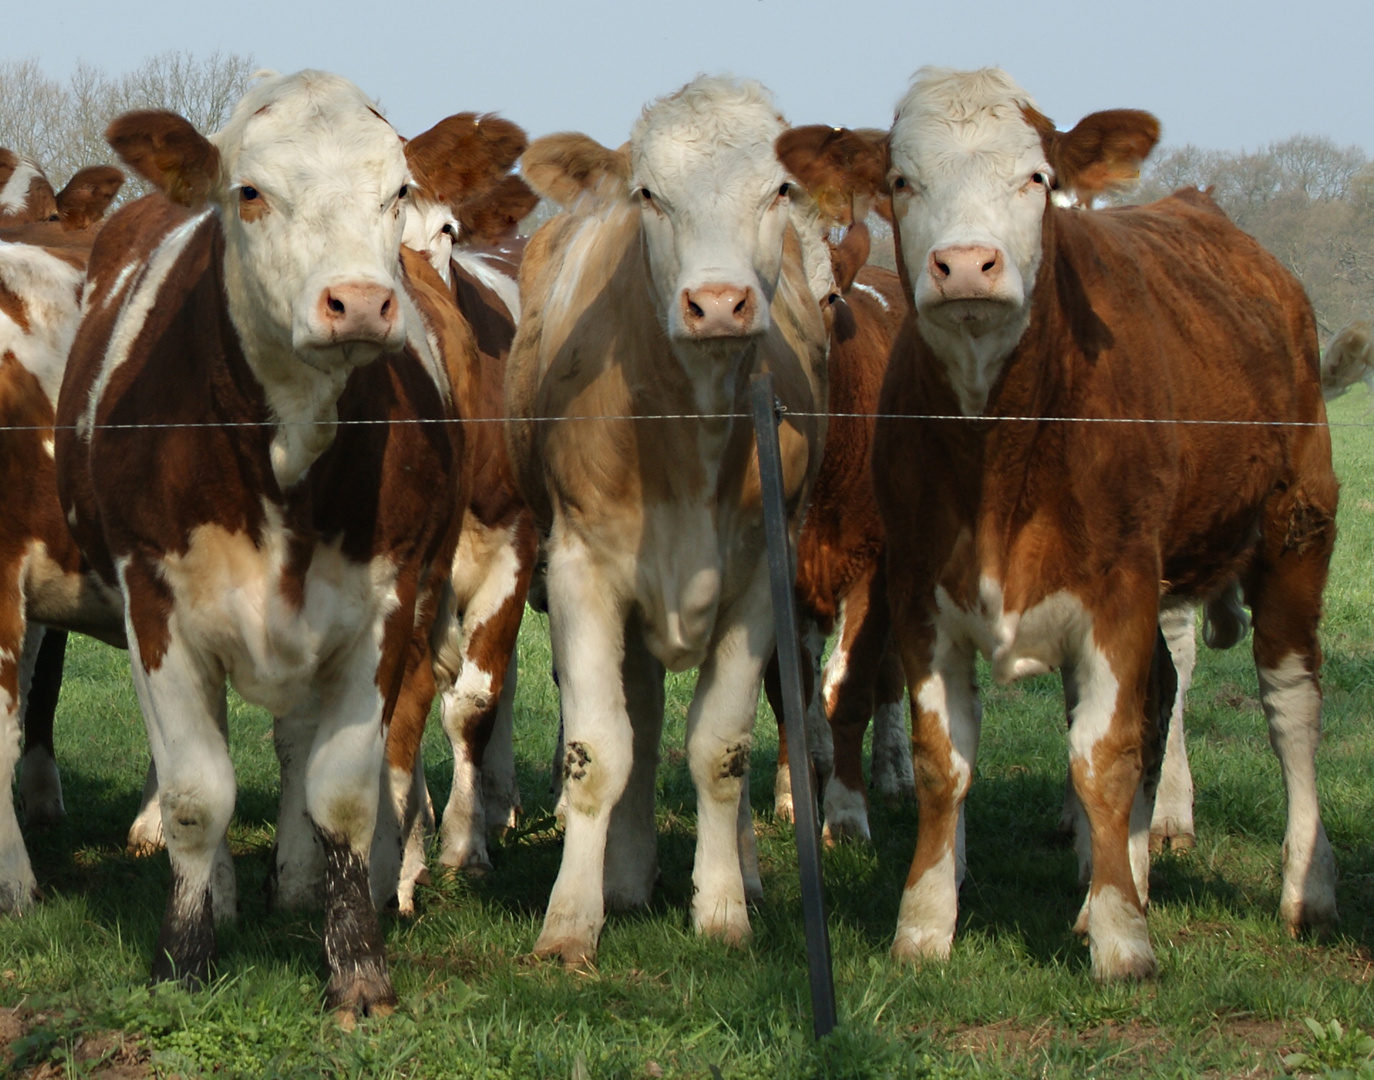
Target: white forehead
(949, 117)
(306, 124)
(723, 125)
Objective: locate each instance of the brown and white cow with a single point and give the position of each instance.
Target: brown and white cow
(27, 197)
(841, 582)
(42, 272)
(674, 273)
(258, 453)
(1049, 543)
(463, 200)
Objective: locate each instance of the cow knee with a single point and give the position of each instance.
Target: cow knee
(595, 773)
(719, 769)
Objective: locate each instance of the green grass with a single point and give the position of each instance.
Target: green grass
(1014, 1000)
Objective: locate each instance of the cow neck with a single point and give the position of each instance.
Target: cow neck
(302, 401)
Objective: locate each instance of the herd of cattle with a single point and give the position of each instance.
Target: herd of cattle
(310, 416)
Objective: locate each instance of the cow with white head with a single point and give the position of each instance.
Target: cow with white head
(257, 456)
(1051, 531)
(673, 275)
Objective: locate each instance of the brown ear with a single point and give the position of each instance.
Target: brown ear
(1102, 152)
(88, 195)
(168, 152)
(835, 165)
(496, 214)
(565, 166)
(464, 155)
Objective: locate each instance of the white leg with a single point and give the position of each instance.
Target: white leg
(631, 839)
(500, 793)
(1112, 919)
(587, 633)
(1172, 820)
(18, 886)
(946, 720)
(420, 824)
(298, 872)
(183, 706)
(719, 734)
(1292, 705)
(145, 834)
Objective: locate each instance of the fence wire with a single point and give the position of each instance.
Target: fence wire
(942, 417)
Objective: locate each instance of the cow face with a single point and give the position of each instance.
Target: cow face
(431, 229)
(309, 183)
(714, 202)
(972, 165)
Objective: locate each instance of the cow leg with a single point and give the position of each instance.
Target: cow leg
(945, 722)
(1284, 588)
(500, 792)
(587, 635)
(891, 756)
(398, 842)
(18, 652)
(719, 734)
(342, 791)
(488, 634)
(297, 862)
(40, 785)
(145, 834)
(851, 675)
(631, 839)
(818, 735)
(1172, 822)
(183, 707)
(1107, 741)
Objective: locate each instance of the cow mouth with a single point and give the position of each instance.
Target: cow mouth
(969, 314)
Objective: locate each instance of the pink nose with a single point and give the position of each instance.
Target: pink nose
(358, 312)
(965, 273)
(718, 311)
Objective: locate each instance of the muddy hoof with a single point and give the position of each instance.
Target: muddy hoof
(572, 953)
(1163, 841)
(361, 993)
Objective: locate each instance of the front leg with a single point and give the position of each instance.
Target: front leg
(945, 724)
(587, 634)
(719, 736)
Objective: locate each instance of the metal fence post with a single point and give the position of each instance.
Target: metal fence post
(782, 573)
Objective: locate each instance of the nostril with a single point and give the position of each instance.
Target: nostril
(335, 305)
(739, 308)
(695, 311)
(386, 307)
(942, 267)
(989, 265)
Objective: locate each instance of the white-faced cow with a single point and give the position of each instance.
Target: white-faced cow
(27, 197)
(258, 454)
(1048, 543)
(42, 272)
(674, 274)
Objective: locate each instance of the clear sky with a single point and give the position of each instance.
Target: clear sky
(1227, 75)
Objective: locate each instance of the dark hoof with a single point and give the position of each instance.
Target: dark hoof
(363, 993)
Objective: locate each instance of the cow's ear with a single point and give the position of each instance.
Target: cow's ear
(464, 155)
(835, 165)
(168, 152)
(496, 213)
(570, 166)
(88, 195)
(1103, 152)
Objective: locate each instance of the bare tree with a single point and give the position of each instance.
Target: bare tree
(61, 125)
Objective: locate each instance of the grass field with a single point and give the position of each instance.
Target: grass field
(1234, 995)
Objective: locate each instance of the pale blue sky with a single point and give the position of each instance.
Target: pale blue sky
(1222, 75)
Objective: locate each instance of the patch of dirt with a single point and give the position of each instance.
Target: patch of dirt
(1236, 698)
(101, 1055)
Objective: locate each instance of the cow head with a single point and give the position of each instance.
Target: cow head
(310, 186)
(26, 196)
(461, 169)
(972, 164)
(713, 199)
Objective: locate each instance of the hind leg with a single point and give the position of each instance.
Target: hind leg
(1284, 588)
(40, 786)
(1171, 824)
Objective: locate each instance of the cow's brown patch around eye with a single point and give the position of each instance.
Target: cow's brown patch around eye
(251, 207)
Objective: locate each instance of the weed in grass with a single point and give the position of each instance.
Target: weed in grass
(1334, 1051)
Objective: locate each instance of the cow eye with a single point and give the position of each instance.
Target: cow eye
(782, 191)
(248, 194)
(646, 195)
(1041, 179)
(55, 217)
(405, 190)
(899, 184)
(452, 232)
